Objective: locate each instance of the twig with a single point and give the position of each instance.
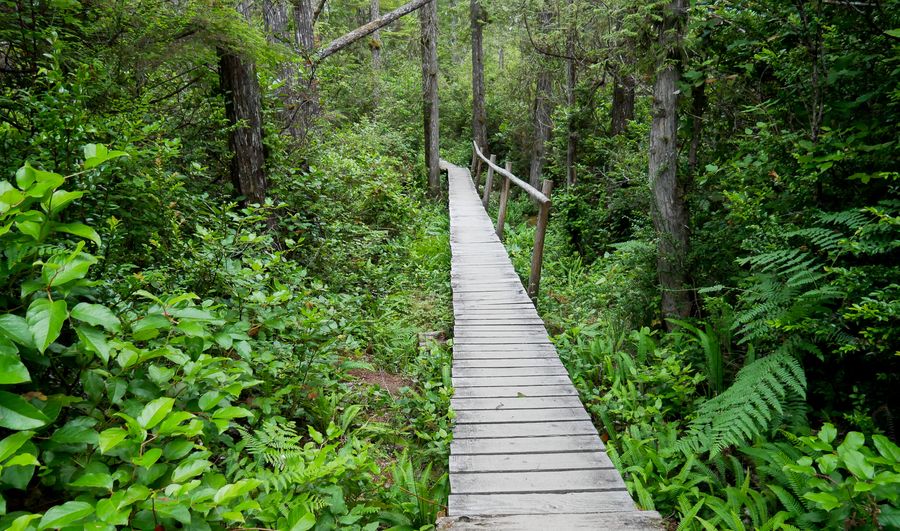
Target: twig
(421, 498)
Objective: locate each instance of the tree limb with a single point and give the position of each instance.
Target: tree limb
(342, 42)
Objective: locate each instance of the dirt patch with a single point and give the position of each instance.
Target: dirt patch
(387, 381)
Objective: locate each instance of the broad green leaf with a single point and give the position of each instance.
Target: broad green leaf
(103, 481)
(857, 464)
(15, 328)
(177, 449)
(94, 340)
(12, 371)
(886, 448)
(22, 523)
(64, 514)
(827, 433)
(174, 510)
(301, 523)
(96, 314)
(78, 430)
(149, 458)
(23, 460)
(115, 389)
(190, 469)
(111, 438)
(45, 320)
(25, 176)
(231, 412)
(77, 229)
(17, 414)
(209, 400)
(853, 441)
(12, 443)
(893, 32)
(827, 501)
(154, 412)
(59, 200)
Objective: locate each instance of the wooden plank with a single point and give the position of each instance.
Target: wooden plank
(497, 321)
(517, 402)
(618, 521)
(463, 341)
(529, 462)
(531, 429)
(528, 445)
(527, 504)
(511, 392)
(506, 362)
(490, 372)
(595, 480)
(521, 415)
(512, 381)
(491, 354)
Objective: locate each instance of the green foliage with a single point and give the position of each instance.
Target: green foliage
(422, 496)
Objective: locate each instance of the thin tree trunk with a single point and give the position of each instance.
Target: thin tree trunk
(670, 215)
(454, 38)
(428, 22)
(500, 60)
(542, 108)
(375, 46)
(572, 144)
(479, 112)
(622, 103)
(277, 26)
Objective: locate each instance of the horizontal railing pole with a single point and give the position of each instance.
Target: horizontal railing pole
(537, 256)
(521, 184)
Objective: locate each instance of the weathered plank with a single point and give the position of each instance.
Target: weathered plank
(531, 429)
(511, 381)
(569, 503)
(490, 372)
(518, 402)
(618, 521)
(466, 464)
(464, 363)
(512, 392)
(521, 415)
(528, 445)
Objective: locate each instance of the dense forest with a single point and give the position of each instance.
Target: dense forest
(224, 247)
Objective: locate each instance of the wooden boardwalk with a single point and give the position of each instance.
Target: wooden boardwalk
(525, 455)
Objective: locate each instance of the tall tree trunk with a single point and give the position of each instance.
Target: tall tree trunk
(622, 103)
(242, 107)
(375, 46)
(479, 113)
(277, 25)
(305, 107)
(542, 108)
(572, 144)
(454, 38)
(304, 27)
(428, 22)
(670, 215)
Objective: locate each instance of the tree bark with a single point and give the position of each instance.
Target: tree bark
(479, 112)
(375, 46)
(277, 26)
(304, 27)
(670, 215)
(242, 108)
(622, 103)
(342, 42)
(428, 22)
(572, 144)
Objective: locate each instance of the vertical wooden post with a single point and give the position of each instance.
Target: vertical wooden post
(504, 195)
(478, 175)
(537, 256)
(474, 158)
(488, 183)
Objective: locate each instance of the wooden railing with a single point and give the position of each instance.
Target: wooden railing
(542, 198)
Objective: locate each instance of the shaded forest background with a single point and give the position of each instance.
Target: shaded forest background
(219, 243)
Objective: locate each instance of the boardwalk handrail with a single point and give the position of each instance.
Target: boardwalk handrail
(542, 197)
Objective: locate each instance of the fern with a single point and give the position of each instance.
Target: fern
(754, 404)
(274, 444)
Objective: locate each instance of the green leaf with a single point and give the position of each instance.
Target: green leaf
(103, 481)
(174, 510)
(17, 414)
(231, 412)
(209, 399)
(893, 33)
(827, 501)
(827, 433)
(60, 199)
(111, 438)
(12, 371)
(77, 229)
(149, 458)
(115, 389)
(64, 514)
(12, 443)
(853, 441)
(25, 176)
(154, 412)
(21, 523)
(96, 314)
(78, 430)
(301, 523)
(886, 448)
(712, 168)
(94, 340)
(189, 469)
(857, 464)
(45, 320)
(15, 328)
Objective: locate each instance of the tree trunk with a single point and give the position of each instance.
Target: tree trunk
(699, 105)
(670, 216)
(305, 106)
(622, 103)
(454, 38)
(242, 106)
(277, 25)
(304, 27)
(428, 22)
(479, 113)
(542, 108)
(572, 144)
(375, 46)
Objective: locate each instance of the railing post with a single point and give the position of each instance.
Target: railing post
(474, 158)
(504, 196)
(537, 256)
(488, 183)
